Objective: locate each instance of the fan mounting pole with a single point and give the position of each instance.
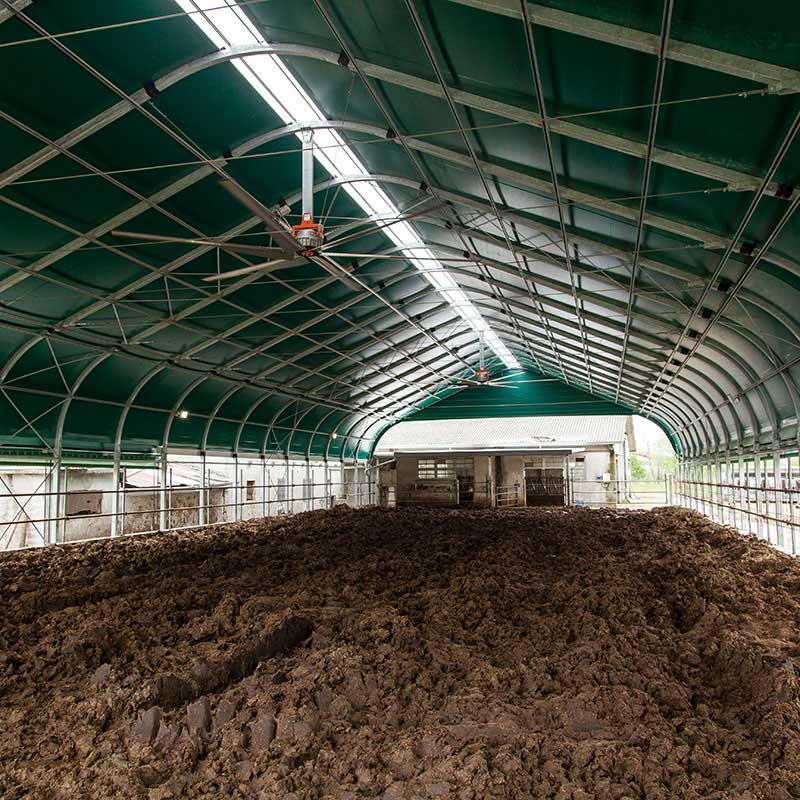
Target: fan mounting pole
(308, 233)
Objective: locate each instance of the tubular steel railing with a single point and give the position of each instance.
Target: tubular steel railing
(620, 493)
(41, 517)
(770, 512)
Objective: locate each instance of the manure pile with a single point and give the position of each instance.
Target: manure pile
(574, 655)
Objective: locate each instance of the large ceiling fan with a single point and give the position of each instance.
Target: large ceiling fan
(482, 376)
(305, 241)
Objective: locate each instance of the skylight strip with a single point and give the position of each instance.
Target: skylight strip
(229, 26)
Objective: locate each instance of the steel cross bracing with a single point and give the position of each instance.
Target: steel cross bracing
(652, 340)
(181, 140)
(780, 79)
(666, 21)
(646, 349)
(147, 203)
(479, 172)
(700, 336)
(734, 415)
(160, 322)
(707, 238)
(735, 179)
(391, 122)
(548, 145)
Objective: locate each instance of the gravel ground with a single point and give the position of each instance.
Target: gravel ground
(405, 654)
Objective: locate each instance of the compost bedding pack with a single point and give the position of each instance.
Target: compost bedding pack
(410, 653)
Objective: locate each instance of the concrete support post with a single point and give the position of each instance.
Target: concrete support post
(308, 489)
(719, 508)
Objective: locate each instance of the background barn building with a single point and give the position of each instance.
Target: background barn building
(523, 461)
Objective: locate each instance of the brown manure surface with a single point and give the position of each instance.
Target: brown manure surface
(405, 654)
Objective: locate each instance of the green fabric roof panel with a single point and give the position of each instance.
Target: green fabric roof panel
(683, 306)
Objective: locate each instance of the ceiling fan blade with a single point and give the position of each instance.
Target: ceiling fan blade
(267, 266)
(378, 226)
(464, 382)
(338, 272)
(253, 249)
(398, 257)
(233, 247)
(151, 237)
(282, 236)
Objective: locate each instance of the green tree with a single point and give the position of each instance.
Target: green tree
(638, 469)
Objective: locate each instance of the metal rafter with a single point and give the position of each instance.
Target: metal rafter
(736, 180)
(180, 139)
(781, 79)
(784, 147)
(376, 99)
(666, 21)
(540, 101)
(474, 160)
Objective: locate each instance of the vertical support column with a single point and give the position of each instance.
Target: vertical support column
(730, 484)
(123, 515)
(115, 479)
(54, 514)
(759, 503)
(270, 504)
(702, 471)
(236, 489)
(162, 491)
(744, 496)
(719, 508)
(308, 489)
(201, 495)
(777, 487)
(289, 487)
(792, 497)
(328, 491)
(263, 485)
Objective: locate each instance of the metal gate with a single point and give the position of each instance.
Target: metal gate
(544, 487)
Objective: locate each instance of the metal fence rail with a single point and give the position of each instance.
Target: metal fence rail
(620, 493)
(772, 513)
(44, 515)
